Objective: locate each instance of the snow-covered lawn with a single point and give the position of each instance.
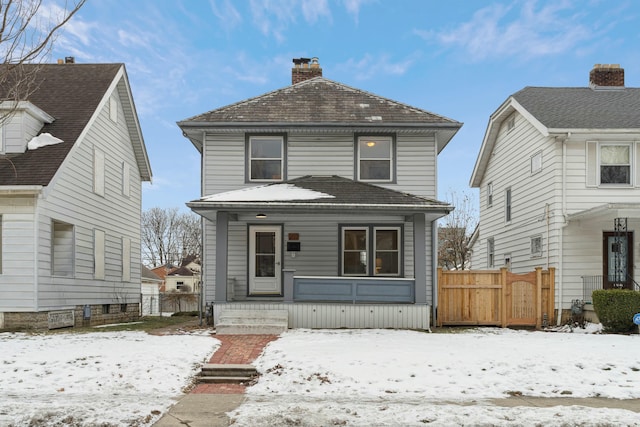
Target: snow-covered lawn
(383, 377)
(95, 379)
(323, 377)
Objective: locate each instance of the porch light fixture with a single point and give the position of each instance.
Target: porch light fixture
(261, 216)
(371, 143)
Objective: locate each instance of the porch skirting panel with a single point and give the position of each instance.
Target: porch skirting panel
(335, 316)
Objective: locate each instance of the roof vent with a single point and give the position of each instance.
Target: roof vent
(69, 60)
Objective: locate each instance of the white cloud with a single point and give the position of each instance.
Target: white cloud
(369, 65)
(494, 31)
(353, 7)
(314, 9)
(228, 16)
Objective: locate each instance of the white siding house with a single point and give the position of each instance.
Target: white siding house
(320, 199)
(559, 180)
(70, 199)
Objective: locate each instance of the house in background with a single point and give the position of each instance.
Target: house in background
(559, 180)
(150, 292)
(72, 163)
(320, 199)
(182, 279)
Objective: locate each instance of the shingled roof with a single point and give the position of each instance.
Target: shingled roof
(582, 107)
(70, 93)
(333, 193)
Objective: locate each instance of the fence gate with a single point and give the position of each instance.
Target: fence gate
(495, 298)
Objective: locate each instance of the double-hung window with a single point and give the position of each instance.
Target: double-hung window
(371, 251)
(374, 160)
(265, 158)
(615, 164)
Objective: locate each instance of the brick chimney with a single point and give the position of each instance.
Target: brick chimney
(305, 69)
(606, 75)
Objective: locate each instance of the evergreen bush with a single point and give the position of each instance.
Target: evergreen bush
(615, 308)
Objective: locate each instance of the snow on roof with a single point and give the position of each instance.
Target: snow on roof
(267, 193)
(42, 140)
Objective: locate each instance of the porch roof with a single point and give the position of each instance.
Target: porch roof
(607, 211)
(313, 193)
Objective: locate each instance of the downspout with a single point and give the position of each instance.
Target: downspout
(563, 196)
(434, 270)
(203, 294)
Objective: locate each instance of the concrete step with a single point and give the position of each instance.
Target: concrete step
(226, 374)
(250, 322)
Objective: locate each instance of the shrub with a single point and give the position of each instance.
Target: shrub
(615, 308)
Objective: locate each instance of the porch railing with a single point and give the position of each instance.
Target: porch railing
(590, 284)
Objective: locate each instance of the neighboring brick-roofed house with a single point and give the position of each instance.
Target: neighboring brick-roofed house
(320, 199)
(72, 161)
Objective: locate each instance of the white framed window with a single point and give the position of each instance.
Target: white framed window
(62, 249)
(371, 251)
(490, 194)
(126, 179)
(490, 252)
(536, 246)
(615, 164)
(374, 159)
(113, 109)
(536, 163)
(98, 172)
(611, 164)
(265, 158)
(511, 122)
(98, 254)
(507, 205)
(126, 259)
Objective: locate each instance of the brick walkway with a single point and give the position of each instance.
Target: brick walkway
(235, 349)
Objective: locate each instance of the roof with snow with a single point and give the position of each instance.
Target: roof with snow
(319, 192)
(70, 93)
(320, 103)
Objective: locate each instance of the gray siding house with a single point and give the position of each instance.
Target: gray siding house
(72, 159)
(559, 180)
(320, 199)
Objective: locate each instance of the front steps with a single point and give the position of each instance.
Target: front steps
(226, 374)
(252, 322)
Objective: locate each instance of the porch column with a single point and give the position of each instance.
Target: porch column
(222, 232)
(420, 258)
(288, 283)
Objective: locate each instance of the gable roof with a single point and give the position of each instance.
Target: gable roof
(181, 271)
(320, 102)
(148, 275)
(71, 94)
(559, 110)
(330, 193)
(582, 107)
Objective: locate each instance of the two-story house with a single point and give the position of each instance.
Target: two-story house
(559, 179)
(72, 162)
(320, 199)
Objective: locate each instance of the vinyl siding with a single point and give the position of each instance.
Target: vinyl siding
(509, 167)
(17, 280)
(18, 131)
(71, 199)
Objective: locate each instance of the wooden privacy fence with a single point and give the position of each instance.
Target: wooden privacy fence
(495, 297)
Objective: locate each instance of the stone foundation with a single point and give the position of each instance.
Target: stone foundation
(80, 316)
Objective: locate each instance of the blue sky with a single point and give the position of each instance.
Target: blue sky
(458, 58)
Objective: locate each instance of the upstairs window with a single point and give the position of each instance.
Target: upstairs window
(615, 164)
(536, 163)
(375, 159)
(266, 158)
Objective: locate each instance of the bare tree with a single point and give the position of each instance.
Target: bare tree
(455, 231)
(168, 236)
(27, 33)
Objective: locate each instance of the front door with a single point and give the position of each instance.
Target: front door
(265, 248)
(617, 254)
